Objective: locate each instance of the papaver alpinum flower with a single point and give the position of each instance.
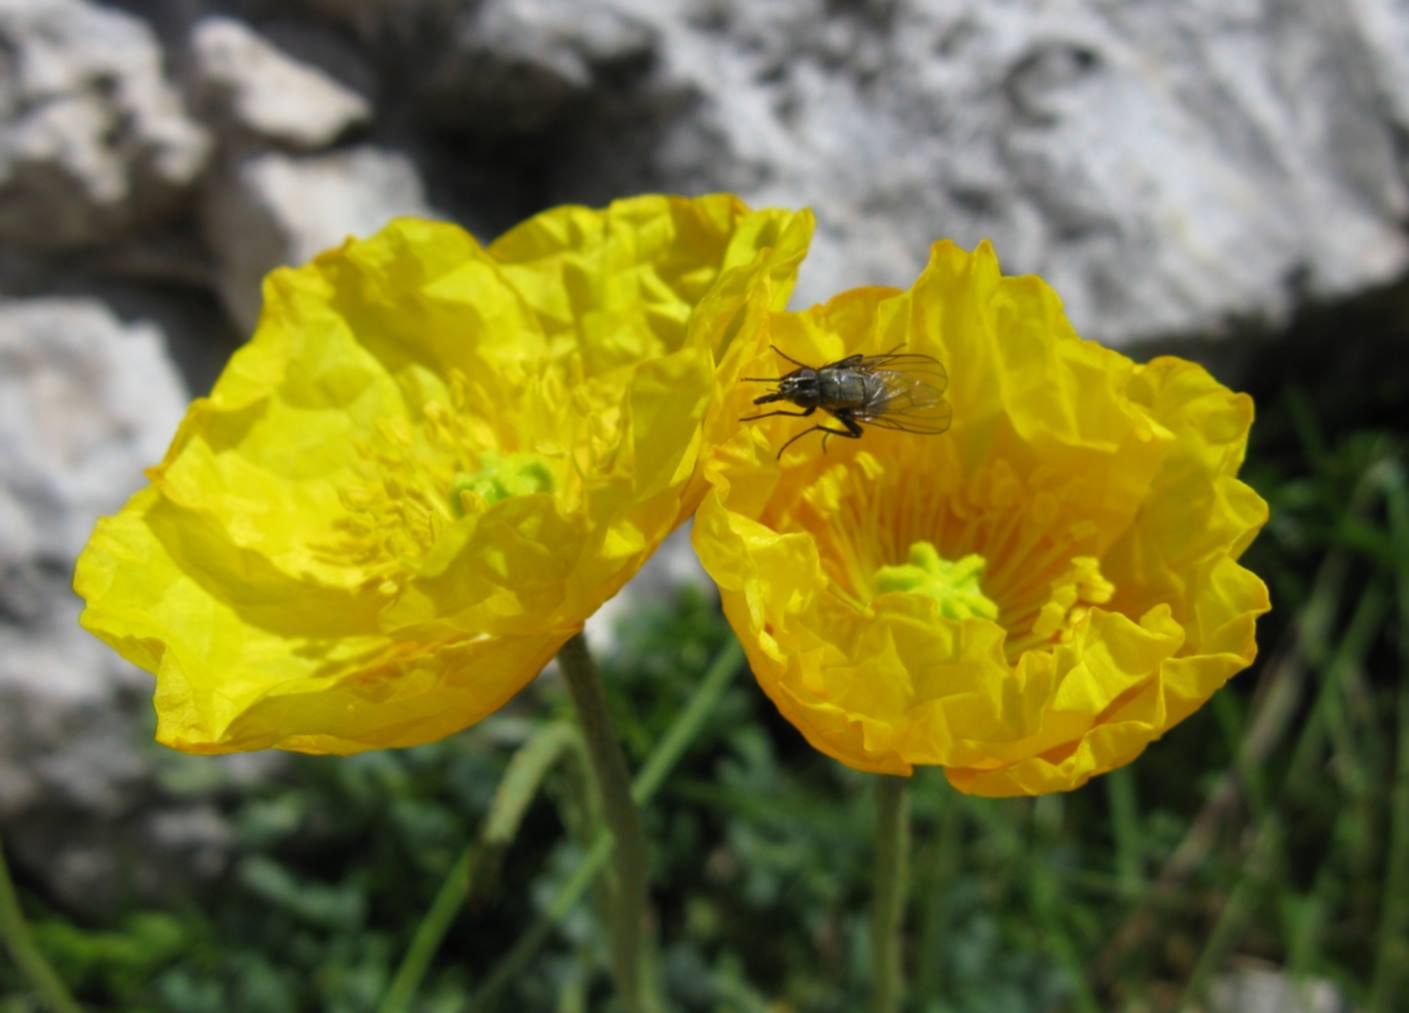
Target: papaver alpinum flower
(433, 461)
(1026, 600)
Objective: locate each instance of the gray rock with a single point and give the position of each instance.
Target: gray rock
(1258, 989)
(272, 209)
(93, 140)
(379, 21)
(1166, 167)
(86, 402)
(522, 66)
(257, 87)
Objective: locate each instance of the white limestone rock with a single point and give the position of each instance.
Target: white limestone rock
(272, 209)
(1168, 167)
(247, 80)
(93, 139)
(520, 66)
(86, 402)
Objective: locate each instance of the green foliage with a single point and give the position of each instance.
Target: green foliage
(1270, 828)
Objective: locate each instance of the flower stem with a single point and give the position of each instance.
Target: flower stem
(683, 731)
(888, 903)
(629, 912)
(14, 932)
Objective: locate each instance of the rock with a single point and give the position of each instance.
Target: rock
(1168, 168)
(522, 66)
(379, 21)
(257, 87)
(93, 140)
(1257, 989)
(273, 209)
(86, 402)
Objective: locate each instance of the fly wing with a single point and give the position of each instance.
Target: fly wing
(915, 364)
(911, 396)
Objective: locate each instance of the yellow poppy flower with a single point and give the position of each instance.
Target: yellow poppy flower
(430, 465)
(1027, 599)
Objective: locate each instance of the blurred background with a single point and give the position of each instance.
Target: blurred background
(1228, 179)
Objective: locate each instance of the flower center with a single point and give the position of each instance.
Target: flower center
(955, 585)
(499, 477)
(1016, 550)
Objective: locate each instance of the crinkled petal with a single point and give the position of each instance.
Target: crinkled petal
(1101, 496)
(432, 462)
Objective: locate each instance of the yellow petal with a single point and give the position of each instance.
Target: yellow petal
(1092, 501)
(429, 466)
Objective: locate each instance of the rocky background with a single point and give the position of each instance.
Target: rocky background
(1175, 170)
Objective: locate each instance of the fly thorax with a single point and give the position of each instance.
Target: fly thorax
(842, 388)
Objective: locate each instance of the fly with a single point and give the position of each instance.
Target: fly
(896, 390)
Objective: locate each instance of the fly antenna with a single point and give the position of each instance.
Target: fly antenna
(801, 365)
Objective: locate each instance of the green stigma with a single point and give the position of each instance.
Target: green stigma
(954, 585)
(499, 477)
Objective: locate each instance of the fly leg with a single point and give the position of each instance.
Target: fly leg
(769, 415)
(852, 431)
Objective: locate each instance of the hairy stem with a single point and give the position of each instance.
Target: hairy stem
(629, 912)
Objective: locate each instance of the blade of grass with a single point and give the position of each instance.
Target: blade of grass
(648, 780)
(1391, 949)
(14, 930)
(580, 806)
(936, 873)
(520, 784)
(1304, 918)
(1389, 978)
(1045, 893)
(1268, 834)
(1242, 901)
(1227, 710)
(1360, 633)
(526, 770)
(1277, 700)
(1302, 412)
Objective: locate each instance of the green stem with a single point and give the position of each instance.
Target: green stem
(628, 917)
(653, 773)
(1125, 823)
(15, 933)
(888, 904)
